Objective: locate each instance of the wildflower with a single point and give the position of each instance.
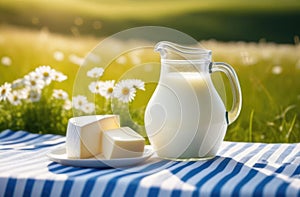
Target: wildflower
(95, 72)
(67, 104)
(107, 88)
(277, 70)
(88, 107)
(137, 83)
(78, 21)
(18, 83)
(33, 81)
(6, 61)
(79, 101)
(94, 87)
(124, 91)
(58, 76)
(121, 60)
(60, 94)
(46, 73)
(94, 58)
(247, 59)
(34, 95)
(58, 56)
(15, 98)
(76, 60)
(35, 75)
(23, 93)
(5, 91)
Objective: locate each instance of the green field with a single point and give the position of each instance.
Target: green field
(274, 20)
(32, 32)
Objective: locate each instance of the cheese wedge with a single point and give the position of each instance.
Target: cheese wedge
(122, 142)
(84, 134)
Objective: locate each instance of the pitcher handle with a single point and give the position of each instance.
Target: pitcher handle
(235, 88)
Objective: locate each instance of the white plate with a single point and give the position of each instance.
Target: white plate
(59, 155)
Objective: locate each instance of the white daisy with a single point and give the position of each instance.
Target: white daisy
(34, 95)
(18, 83)
(5, 91)
(58, 76)
(95, 72)
(137, 83)
(88, 108)
(94, 87)
(33, 81)
(276, 70)
(79, 101)
(107, 88)
(46, 73)
(35, 75)
(23, 93)
(60, 94)
(58, 56)
(124, 91)
(6, 61)
(15, 98)
(67, 104)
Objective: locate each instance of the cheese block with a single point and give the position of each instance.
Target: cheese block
(84, 134)
(122, 142)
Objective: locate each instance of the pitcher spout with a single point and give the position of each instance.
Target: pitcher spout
(172, 51)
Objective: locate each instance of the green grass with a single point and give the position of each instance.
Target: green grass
(270, 112)
(29, 49)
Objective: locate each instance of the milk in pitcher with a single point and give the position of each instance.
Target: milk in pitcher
(189, 116)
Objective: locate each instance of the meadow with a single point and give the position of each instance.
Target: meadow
(232, 20)
(268, 72)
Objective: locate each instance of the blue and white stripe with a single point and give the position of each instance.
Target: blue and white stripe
(240, 169)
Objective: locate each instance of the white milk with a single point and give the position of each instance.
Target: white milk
(185, 117)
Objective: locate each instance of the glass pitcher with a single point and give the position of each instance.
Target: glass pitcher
(185, 118)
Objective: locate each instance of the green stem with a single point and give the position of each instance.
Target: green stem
(291, 128)
(251, 125)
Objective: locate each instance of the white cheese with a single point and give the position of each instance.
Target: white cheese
(84, 134)
(122, 143)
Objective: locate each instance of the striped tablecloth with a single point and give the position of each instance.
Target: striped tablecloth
(240, 169)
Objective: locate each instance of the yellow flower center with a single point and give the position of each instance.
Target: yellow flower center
(3, 91)
(46, 74)
(110, 90)
(33, 83)
(125, 91)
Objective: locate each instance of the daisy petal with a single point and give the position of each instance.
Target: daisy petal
(107, 89)
(5, 91)
(124, 91)
(95, 72)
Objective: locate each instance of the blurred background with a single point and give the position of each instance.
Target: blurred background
(259, 38)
